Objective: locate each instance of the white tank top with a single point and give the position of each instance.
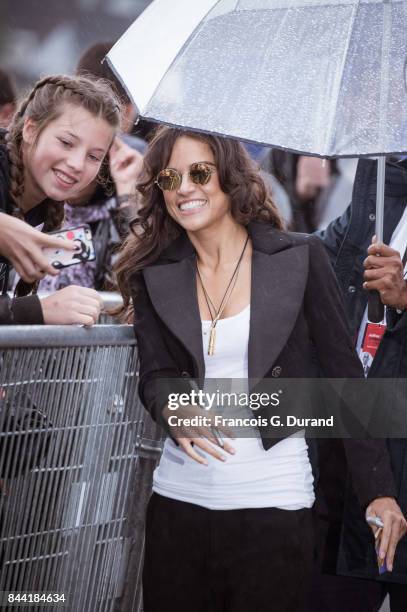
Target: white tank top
(280, 477)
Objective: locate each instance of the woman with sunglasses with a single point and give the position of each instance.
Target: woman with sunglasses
(219, 290)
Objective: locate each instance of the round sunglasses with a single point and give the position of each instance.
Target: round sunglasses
(199, 173)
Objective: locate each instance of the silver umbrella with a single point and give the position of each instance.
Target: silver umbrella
(320, 77)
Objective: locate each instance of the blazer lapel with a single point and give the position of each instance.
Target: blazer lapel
(172, 289)
(279, 277)
(278, 285)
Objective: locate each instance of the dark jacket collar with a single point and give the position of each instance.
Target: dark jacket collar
(364, 199)
(265, 238)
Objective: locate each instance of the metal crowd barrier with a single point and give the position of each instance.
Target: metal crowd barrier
(76, 459)
(111, 301)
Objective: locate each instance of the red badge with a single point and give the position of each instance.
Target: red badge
(371, 340)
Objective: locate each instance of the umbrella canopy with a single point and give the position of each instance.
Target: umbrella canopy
(325, 77)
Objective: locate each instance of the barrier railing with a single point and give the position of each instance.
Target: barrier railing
(76, 458)
(111, 301)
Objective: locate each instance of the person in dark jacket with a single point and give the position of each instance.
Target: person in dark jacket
(348, 242)
(207, 254)
(47, 156)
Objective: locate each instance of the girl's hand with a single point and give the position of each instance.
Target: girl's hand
(72, 306)
(22, 245)
(125, 166)
(201, 436)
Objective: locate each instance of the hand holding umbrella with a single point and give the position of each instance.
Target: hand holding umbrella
(384, 273)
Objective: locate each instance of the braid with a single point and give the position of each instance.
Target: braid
(13, 143)
(56, 80)
(54, 216)
(13, 140)
(24, 104)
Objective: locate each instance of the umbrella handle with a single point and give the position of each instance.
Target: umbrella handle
(375, 308)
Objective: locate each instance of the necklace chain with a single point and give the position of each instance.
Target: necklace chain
(217, 313)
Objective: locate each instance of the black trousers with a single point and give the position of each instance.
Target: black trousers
(251, 560)
(346, 594)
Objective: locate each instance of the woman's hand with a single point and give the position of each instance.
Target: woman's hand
(23, 246)
(394, 527)
(125, 166)
(72, 306)
(205, 436)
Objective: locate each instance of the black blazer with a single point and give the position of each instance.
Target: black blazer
(297, 330)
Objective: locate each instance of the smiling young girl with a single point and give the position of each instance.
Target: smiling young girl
(54, 147)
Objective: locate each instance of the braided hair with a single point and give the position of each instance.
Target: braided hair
(43, 105)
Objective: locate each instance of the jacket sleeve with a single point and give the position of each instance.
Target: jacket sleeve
(159, 374)
(396, 321)
(368, 460)
(334, 234)
(21, 311)
(325, 312)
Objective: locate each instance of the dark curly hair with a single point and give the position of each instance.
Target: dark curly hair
(153, 230)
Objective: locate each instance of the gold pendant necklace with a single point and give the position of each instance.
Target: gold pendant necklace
(212, 340)
(218, 312)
